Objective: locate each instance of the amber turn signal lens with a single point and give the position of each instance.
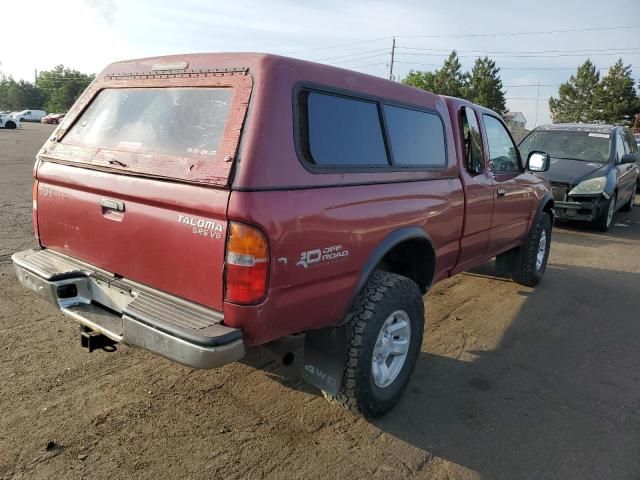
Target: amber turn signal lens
(247, 266)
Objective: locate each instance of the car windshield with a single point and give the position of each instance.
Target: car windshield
(568, 144)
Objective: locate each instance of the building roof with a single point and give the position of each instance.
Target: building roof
(514, 115)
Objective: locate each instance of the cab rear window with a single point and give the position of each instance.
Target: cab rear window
(345, 132)
(170, 121)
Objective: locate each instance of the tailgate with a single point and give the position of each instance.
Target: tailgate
(167, 235)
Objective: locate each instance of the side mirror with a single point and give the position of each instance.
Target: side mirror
(629, 158)
(538, 162)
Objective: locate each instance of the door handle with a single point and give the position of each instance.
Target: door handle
(109, 204)
(501, 192)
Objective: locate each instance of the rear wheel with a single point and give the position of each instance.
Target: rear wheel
(531, 257)
(629, 205)
(604, 221)
(10, 125)
(384, 332)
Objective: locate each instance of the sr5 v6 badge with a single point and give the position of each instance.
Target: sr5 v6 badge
(322, 255)
(206, 228)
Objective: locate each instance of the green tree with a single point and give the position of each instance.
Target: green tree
(578, 97)
(617, 100)
(62, 86)
(423, 80)
(450, 80)
(484, 86)
(20, 95)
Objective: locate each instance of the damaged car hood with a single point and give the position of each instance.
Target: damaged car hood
(574, 171)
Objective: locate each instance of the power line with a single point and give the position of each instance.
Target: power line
(368, 65)
(533, 85)
(467, 35)
(350, 54)
(359, 58)
(510, 68)
(522, 56)
(586, 51)
(510, 34)
(339, 46)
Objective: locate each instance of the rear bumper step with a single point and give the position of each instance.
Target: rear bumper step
(127, 312)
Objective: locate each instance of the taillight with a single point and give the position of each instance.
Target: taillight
(247, 267)
(34, 198)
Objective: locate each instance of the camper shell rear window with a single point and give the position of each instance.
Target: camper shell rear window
(181, 121)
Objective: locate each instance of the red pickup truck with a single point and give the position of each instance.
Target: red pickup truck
(195, 205)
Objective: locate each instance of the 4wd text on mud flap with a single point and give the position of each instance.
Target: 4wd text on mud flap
(206, 228)
(327, 254)
(328, 379)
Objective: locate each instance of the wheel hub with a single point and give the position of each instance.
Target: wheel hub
(391, 348)
(542, 249)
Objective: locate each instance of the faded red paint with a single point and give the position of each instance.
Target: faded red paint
(267, 186)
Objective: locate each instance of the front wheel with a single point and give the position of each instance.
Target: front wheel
(532, 256)
(604, 221)
(384, 332)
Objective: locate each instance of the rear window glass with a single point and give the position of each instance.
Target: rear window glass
(416, 138)
(170, 121)
(342, 131)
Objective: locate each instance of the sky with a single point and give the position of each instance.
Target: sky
(89, 34)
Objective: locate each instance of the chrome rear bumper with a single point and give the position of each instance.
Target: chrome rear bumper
(127, 312)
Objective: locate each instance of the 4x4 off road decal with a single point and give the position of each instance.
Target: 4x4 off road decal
(322, 255)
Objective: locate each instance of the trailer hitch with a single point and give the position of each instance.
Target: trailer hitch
(92, 340)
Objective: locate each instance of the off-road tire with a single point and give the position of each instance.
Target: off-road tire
(384, 294)
(10, 125)
(602, 223)
(629, 205)
(525, 270)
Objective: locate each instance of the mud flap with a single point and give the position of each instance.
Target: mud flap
(506, 262)
(325, 354)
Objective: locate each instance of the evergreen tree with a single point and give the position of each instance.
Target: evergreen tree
(450, 80)
(617, 96)
(485, 86)
(578, 97)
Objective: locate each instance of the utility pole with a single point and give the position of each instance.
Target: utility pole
(537, 103)
(393, 52)
(35, 76)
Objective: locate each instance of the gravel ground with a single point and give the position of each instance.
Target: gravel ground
(512, 382)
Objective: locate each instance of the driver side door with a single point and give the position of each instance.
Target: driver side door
(512, 187)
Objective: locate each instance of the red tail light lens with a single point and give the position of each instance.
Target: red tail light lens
(247, 266)
(34, 198)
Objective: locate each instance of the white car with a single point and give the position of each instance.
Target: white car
(6, 121)
(29, 115)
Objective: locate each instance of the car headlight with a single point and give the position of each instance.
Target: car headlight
(593, 186)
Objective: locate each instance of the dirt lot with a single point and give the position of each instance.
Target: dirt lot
(512, 382)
